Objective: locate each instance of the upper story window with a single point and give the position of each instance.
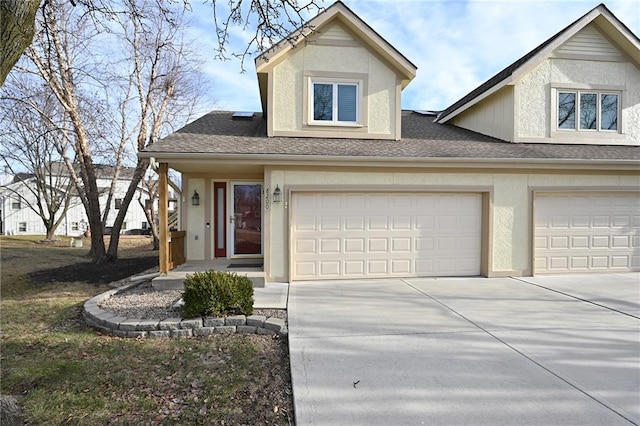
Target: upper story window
(16, 204)
(588, 110)
(117, 204)
(335, 102)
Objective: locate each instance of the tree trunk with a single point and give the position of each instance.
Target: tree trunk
(17, 27)
(141, 168)
(51, 234)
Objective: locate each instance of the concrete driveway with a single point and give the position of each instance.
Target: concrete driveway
(451, 351)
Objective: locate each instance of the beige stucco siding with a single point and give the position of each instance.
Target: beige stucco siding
(288, 85)
(381, 97)
(195, 237)
(510, 204)
(380, 109)
(536, 91)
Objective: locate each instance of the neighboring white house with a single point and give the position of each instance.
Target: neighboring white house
(17, 218)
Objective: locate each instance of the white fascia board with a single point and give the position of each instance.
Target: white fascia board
(401, 162)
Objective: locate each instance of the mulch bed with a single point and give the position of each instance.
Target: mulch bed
(92, 273)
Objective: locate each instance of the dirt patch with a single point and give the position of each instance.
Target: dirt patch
(91, 273)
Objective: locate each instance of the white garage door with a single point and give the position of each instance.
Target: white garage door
(587, 232)
(358, 235)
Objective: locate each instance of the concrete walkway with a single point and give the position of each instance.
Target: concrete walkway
(271, 296)
(466, 351)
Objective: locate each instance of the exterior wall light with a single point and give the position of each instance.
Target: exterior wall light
(277, 195)
(195, 200)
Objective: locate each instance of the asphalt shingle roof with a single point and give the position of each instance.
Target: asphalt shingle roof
(217, 133)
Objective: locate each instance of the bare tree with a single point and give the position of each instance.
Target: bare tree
(59, 53)
(152, 188)
(30, 128)
(162, 87)
(268, 22)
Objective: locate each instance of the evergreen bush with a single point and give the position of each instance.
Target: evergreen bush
(217, 293)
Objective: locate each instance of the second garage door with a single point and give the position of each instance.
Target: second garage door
(587, 233)
(360, 235)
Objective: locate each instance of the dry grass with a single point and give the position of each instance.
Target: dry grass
(64, 372)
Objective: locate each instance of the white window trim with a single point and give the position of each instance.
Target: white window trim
(20, 227)
(599, 92)
(335, 82)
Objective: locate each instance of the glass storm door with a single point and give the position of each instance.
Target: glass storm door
(246, 219)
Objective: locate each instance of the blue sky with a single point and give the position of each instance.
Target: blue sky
(456, 45)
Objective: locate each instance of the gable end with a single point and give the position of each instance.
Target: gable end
(590, 44)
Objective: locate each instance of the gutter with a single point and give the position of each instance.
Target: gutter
(432, 162)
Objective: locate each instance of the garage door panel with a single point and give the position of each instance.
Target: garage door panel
(354, 223)
(586, 232)
(354, 245)
(383, 234)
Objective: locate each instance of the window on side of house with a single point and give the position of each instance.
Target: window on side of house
(124, 226)
(16, 204)
(335, 102)
(145, 225)
(22, 226)
(117, 203)
(588, 110)
(75, 226)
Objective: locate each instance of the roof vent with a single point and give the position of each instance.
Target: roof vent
(426, 112)
(243, 115)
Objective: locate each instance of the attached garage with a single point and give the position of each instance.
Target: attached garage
(337, 235)
(590, 232)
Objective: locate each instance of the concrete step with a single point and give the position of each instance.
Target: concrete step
(174, 280)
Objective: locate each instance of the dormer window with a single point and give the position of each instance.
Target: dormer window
(588, 110)
(335, 102)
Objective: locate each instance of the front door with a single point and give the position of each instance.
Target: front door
(246, 219)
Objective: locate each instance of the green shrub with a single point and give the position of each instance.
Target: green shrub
(217, 293)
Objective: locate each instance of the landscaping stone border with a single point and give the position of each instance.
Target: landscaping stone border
(110, 323)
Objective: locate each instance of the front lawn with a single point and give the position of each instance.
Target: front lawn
(63, 372)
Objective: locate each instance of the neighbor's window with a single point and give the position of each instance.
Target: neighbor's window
(145, 225)
(16, 205)
(588, 110)
(22, 227)
(117, 203)
(75, 226)
(335, 102)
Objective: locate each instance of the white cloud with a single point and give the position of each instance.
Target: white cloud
(456, 45)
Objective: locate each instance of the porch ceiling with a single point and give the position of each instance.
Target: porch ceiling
(214, 167)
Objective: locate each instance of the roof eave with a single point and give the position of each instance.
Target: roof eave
(402, 162)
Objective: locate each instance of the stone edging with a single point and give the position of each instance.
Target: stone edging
(110, 323)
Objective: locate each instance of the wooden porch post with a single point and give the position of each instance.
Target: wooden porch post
(163, 213)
